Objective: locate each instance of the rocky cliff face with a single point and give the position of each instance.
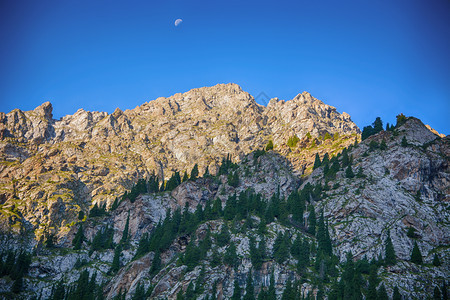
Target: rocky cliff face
(56, 168)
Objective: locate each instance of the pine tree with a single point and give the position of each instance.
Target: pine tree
(249, 288)
(206, 243)
(139, 293)
(206, 173)
(255, 255)
(271, 293)
(382, 293)
(156, 264)
(115, 266)
(436, 293)
(237, 291)
(436, 260)
(416, 256)
(230, 257)
(115, 204)
(59, 292)
(303, 257)
(317, 162)
(194, 172)
(377, 125)
(349, 172)
(389, 252)
(373, 282)
(321, 239)
(190, 293)
(224, 236)
(345, 158)
(124, 241)
(281, 247)
(444, 291)
(17, 285)
(396, 295)
(185, 177)
(404, 142)
(288, 293)
(312, 221)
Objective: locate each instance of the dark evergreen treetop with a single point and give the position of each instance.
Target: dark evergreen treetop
(194, 172)
(317, 162)
(389, 252)
(416, 256)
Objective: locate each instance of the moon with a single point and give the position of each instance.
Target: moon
(178, 22)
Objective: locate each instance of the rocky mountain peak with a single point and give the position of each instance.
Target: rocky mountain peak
(416, 132)
(45, 110)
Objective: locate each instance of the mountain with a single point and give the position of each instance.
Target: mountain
(57, 168)
(322, 214)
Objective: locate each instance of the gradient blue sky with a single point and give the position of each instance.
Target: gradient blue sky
(367, 58)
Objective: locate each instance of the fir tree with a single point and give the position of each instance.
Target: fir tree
(59, 292)
(271, 293)
(312, 221)
(124, 240)
(185, 177)
(230, 257)
(115, 266)
(17, 285)
(436, 293)
(255, 255)
(237, 291)
(190, 293)
(396, 295)
(377, 125)
(345, 158)
(404, 142)
(139, 293)
(206, 243)
(373, 282)
(389, 252)
(436, 260)
(317, 162)
(416, 256)
(324, 245)
(411, 233)
(288, 293)
(192, 255)
(216, 259)
(281, 247)
(349, 172)
(206, 173)
(382, 293)
(444, 291)
(115, 204)
(303, 257)
(249, 288)
(224, 236)
(156, 263)
(194, 172)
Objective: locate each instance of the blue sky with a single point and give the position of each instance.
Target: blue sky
(367, 58)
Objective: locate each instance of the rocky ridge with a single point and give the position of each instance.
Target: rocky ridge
(50, 170)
